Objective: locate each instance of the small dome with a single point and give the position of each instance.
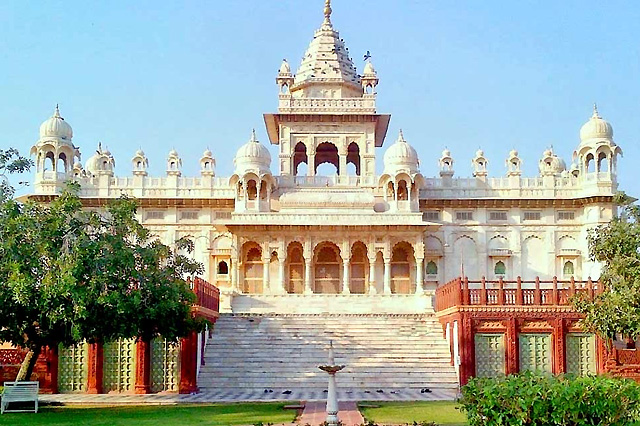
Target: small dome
(252, 156)
(139, 153)
(513, 153)
(551, 164)
(56, 127)
(173, 153)
(446, 153)
(369, 69)
(101, 161)
(284, 67)
(77, 165)
(479, 153)
(207, 153)
(596, 128)
(401, 157)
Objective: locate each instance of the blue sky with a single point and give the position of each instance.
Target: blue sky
(198, 74)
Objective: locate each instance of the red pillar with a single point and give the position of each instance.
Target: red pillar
(559, 337)
(189, 363)
(96, 367)
(466, 349)
(143, 367)
(511, 352)
(51, 377)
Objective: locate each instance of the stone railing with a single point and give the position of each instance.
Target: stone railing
(207, 297)
(290, 105)
(462, 292)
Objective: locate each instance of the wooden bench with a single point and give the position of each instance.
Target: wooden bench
(19, 392)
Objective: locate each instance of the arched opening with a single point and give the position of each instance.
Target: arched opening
(252, 269)
(300, 157)
(359, 267)
(401, 263)
(223, 268)
(403, 192)
(327, 153)
(284, 89)
(49, 162)
(567, 269)
(61, 166)
(368, 89)
(589, 163)
(500, 268)
(295, 275)
(432, 268)
(173, 166)
(264, 186)
(327, 264)
(353, 158)
(603, 163)
(139, 165)
(207, 165)
(391, 193)
(252, 190)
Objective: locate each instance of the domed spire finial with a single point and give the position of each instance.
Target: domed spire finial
(254, 138)
(401, 137)
(327, 11)
(56, 112)
(595, 111)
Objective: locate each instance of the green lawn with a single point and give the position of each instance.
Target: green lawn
(441, 412)
(175, 415)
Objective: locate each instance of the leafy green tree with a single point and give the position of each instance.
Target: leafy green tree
(616, 246)
(68, 274)
(11, 162)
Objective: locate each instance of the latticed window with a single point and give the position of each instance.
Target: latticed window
(432, 268)
(568, 270)
(500, 268)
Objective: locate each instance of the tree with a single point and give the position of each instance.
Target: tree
(11, 162)
(68, 274)
(616, 246)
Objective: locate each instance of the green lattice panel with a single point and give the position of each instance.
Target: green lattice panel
(581, 354)
(119, 365)
(490, 360)
(72, 368)
(165, 356)
(535, 352)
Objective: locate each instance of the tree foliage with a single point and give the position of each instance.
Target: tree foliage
(616, 246)
(69, 274)
(11, 162)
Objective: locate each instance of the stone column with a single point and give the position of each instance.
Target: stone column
(245, 195)
(345, 277)
(343, 164)
(311, 159)
(235, 275)
(307, 276)
(387, 276)
(419, 275)
(143, 367)
(265, 276)
(281, 268)
(372, 275)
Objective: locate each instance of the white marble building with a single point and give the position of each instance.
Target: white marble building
(278, 227)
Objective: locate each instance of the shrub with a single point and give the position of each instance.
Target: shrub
(529, 399)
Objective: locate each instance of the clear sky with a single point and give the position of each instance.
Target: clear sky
(196, 74)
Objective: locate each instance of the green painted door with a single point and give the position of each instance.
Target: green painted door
(165, 357)
(490, 356)
(535, 352)
(581, 354)
(119, 366)
(72, 368)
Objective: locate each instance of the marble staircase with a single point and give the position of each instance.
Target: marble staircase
(281, 352)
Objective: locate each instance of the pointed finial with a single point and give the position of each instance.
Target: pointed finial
(401, 136)
(595, 111)
(99, 147)
(327, 11)
(254, 138)
(332, 360)
(56, 113)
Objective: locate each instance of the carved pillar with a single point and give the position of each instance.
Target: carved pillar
(342, 169)
(558, 336)
(143, 367)
(511, 343)
(95, 359)
(281, 280)
(372, 275)
(419, 275)
(466, 346)
(345, 277)
(235, 275)
(188, 363)
(387, 276)
(245, 194)
(307, 276)
(311, 169)
(265, 276)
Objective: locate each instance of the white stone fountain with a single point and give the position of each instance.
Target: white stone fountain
(332, 396)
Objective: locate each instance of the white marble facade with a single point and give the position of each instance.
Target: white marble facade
(278, 226)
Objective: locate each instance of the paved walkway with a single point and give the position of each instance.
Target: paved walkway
(315, 413)
(223, 395)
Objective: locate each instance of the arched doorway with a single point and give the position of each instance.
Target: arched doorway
(353, 156)
(327, 264)
(401, 265)
(359, 269)
(300, 157)
(295, 269)
(252, 262)
(327, 152)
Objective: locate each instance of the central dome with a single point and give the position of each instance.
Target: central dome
(56, 127)
(252, 156)
(596, 128)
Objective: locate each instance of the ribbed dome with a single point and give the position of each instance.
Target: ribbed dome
(401, 157)
(252, 156)
(56, 127)
(596, 128)
(369, 69)
(100, 162)
(551, 164)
